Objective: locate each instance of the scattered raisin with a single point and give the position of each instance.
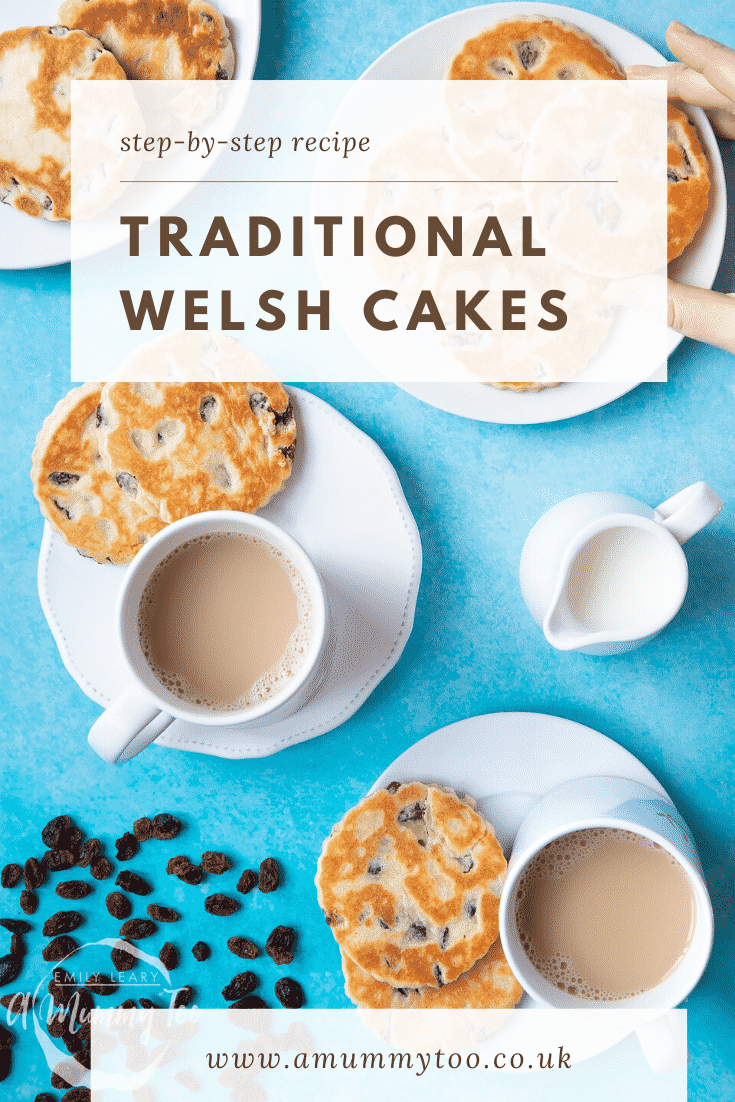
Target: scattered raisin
(63, 922)
(148, 1005)
(101, 869)
(17, 945)
(183, 997)
(73, 889)
(28, 902)
(280, 943)
(393, 787)
(131, 882)
(289, 993)
(250, 1002)
(44, 1096)
(163, 914)
(176, 865)
(58, 860)
(53, 831)
(244, 983)
(118, 905)
(165, 827)
(192, 874)
(268, 878)
(10, 968)
(220, 904)
(143, 829)
(243, 947)
(122, 960)
(77, 1094)
(129, 1004)
(34, 874)
(89, 851)
(57, 1027)
(16, 925)
(100, 984)
(247, 881)
(58, 1082)
(200, 951)
(169, 956)
(59, 948)
(138, 928)
(24, 1002)
(126, 847)
(10, 876)
(216, 863)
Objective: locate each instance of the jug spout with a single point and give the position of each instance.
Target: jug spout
(561, 628)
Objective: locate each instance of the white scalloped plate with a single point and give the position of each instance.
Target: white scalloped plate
(345, 506)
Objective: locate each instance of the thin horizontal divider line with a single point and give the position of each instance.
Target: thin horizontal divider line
(369, 181)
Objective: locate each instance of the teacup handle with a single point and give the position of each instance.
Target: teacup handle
(130, 724)
(687, 512)
(664, 1043)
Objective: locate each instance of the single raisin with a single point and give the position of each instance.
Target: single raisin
(216, 863)
(16, 925)
(220, 904)
(122, 960)
(58, 860)
(57, 1027)
(34, 874)
(100, 984)
(63, 922)
(169, 956)
(268, 877)
(393, 787)
(192, 874)
(73, 889)
(148, 1005)
(88, 853)
(118, 905)
(165, 827)
(129, 1004)
(200, 951)
(138, 928)
(244, 983)
(58, 1082)
(53, 831)
(101, 869)
(243, 947)
(44, 1096)
(247, 881)
(126, 847)
(183, 997)
(131, 882)
(28, 902)
(10, 968)
(289, 993)
(10, 876)
(77, 1094)
(175, 865)
(17, 945)
(60, 948)
(18, 1002)
(250, 1002)
(163, 914)
(280, 944)
(143, 829)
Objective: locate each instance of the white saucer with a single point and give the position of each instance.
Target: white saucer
(424, 55)
(344, 504)
(507, 760)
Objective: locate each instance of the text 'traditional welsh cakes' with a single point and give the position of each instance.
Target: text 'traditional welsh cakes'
(533, 48)
(158, 39)
(77, 496)
(410, 883)
(183, 448)
(37, 65)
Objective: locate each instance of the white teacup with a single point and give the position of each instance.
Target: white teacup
(616, 803)
(142, 713)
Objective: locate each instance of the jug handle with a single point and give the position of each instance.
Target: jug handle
(687, 512)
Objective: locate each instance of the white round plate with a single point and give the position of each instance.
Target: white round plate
(424, 55)
(506, 761)
(345, 506)
(35, 243)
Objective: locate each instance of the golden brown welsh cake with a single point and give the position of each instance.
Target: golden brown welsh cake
(183, 448)
(410, 883)
(158, 39)
(37, 65)
(489, 984)
(84, 504)
(688, 182)
(534, 48)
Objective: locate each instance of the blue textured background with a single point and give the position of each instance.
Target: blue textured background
(475, 490)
